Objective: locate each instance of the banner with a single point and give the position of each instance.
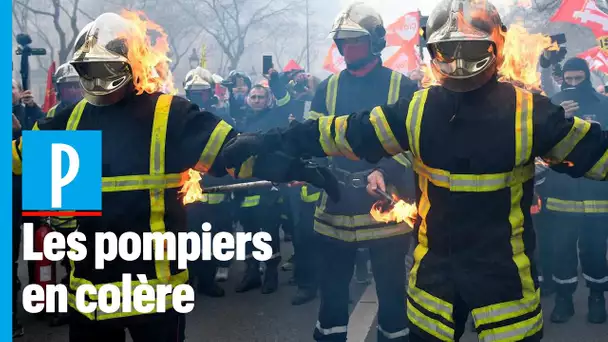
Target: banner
(597, 59)
(584, 13)
(50, 97)
(404, 31)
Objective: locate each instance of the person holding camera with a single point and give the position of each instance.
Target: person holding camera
(576, 210)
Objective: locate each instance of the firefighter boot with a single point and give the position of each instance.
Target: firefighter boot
(271, 277)
(563, 310)
(252, 278)
(303, 296)
(597, 308)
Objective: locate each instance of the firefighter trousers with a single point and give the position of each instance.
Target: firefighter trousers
(220, 217)
(544, 254)
(160, 327)
(307, 261)
(591, 233)
(262, 218)
(388, 266)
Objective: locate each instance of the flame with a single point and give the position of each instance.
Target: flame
(536, 208)
(520, 57)
(400, 212)
(192, 191)
(149, 60)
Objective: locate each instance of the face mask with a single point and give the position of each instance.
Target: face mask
(354, 53)
(70, 94)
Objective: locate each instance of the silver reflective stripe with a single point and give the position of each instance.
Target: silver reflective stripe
(146, 182)
(525, 130)
(415, 111)
(565, 281)
(342, 329)
(600, 170)
(433, 306)
(393, 335)
(554, 204)
(485, 316)
(429, 325)
(515, 334)
(596, 281)
(383, 130)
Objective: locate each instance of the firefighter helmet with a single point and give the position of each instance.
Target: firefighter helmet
(465, 38)
(100, 59)
(199, 79)
(359, 20)
(67, 84)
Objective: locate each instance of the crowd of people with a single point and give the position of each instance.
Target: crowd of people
(335, 239)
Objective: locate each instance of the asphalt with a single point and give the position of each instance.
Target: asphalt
(255, 317)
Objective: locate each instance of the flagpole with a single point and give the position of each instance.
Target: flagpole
(307, 40)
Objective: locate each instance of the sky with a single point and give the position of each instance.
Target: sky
(393, 9)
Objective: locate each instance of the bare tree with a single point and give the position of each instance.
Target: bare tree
(231, 22)
(58, 12)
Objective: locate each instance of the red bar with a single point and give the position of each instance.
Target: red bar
(61, 213)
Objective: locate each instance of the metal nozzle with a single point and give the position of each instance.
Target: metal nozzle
(386, 196)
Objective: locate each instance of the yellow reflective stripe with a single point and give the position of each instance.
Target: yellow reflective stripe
(312, 115)
(474, 183)
(325, 136)
(395, 88)
(340, 140)
(284, 100)
(569, 142)
(309, 198)
(428, 324)
(414, 120)
(17, 165)
(424, 205)
(523, 126)
(246, 170)
(599, 171)
(349, 221)
(384, 132)
(157, 167)
(361, 234)
(500, 312)
(51, 112)
(142, 182)
(332, 94)
(35, 128)
(431, 303)
(212, 148)
(250, 201)
(213, 198)
(74, 119)
(513, 332)
(64, 222)
(521, 260)
(587, 207)
(403, 160)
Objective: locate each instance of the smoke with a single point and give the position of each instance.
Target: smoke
(390, 10)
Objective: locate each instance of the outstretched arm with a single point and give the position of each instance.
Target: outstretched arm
(573, 146)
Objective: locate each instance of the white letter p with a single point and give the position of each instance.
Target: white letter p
(57, 180)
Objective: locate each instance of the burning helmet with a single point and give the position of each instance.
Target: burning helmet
(101, 59)
(359, 20)
(67, 84)
(465, 38)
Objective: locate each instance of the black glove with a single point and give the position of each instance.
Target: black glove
(282, 168)
(240, 148)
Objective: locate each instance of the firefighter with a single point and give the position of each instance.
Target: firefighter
(149, 140)
(215, 209)
(199, 85)
(263, 209)
(474, 141)
(68, 92)
(577, 209)
(346, 226)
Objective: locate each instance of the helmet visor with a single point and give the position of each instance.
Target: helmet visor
(463, 59)
(102, 77)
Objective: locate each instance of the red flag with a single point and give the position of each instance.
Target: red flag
(404, 30)
(334, 62)
(50, 98)
(584, 13)
(292, 65)
(596, 58)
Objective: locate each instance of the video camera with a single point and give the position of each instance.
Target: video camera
(554, 57)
